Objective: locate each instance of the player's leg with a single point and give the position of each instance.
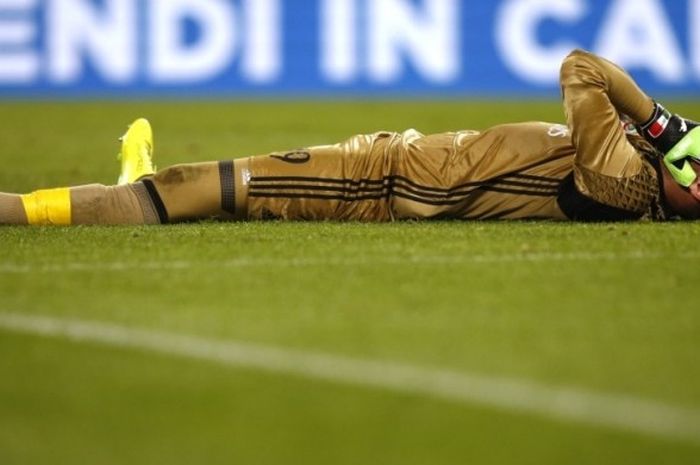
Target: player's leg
(11, 209)
(175, 194)
(94, 203)
(342, 181)
(179, 193)
(192, 191)
(89, 204)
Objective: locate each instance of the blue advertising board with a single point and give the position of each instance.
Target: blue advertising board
(219, 48)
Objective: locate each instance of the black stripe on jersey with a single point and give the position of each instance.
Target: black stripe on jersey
(393, 180)
(383, 195)
(532, 177)
(384, 191)
(353, 182)
(548, 193)
(317, 187)
(301, 195)
(459, 190)
(521, 188)
(482, 188)
(553, 182)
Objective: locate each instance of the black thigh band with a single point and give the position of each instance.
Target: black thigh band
(157, 201)
(228, 188)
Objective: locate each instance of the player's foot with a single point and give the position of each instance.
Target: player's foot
(136, 154)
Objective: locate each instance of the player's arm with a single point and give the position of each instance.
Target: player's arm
(609, 175)
(596, 92)
(587, 80)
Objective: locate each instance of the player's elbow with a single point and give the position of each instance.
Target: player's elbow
(578, 66)
(577, 54)
(572, 62)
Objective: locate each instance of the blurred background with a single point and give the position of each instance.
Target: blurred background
(336, 48)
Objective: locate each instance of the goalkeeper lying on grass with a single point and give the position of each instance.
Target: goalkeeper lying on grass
(621, 156)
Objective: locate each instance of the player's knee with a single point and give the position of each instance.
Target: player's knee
(179, 174)
(188, 191)
(172, 175)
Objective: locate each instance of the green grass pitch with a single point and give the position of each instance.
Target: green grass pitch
(607, 309)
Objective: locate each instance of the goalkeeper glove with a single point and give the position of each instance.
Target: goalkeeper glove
(664, 130)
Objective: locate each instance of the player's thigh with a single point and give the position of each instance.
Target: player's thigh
(343, 181)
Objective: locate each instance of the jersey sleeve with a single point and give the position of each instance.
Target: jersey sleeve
(608, 169)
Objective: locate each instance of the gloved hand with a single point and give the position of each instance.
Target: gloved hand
(664, 130)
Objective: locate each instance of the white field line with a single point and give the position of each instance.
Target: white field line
(615, 411)
(252, 262)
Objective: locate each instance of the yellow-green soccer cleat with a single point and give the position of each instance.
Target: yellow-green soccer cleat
(136, 155)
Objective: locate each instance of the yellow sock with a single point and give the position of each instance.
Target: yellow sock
(48, 207)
